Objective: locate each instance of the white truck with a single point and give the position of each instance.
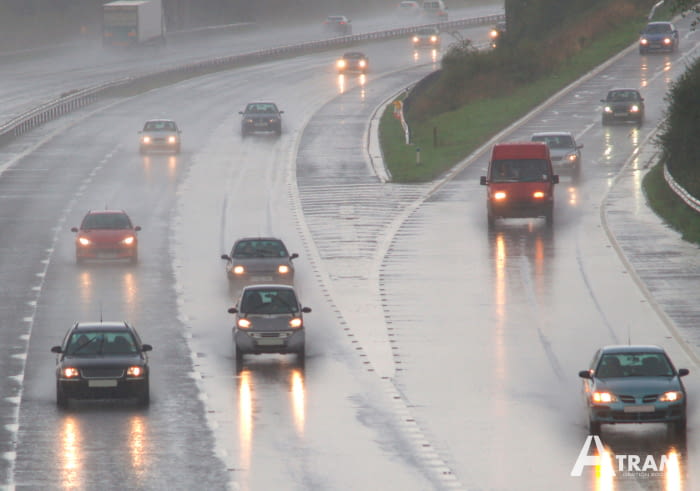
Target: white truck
(133, 22)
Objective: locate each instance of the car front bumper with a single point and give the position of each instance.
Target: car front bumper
(103, 388)
(519, 209)
(641, 413)
(256, 342)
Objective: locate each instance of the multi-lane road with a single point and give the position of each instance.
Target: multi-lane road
(440, 355)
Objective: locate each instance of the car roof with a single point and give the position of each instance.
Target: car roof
(552, 133)
(268, 286)
(242, 239)
(159, 120)
(660, 23)
(102, 326)
(336, 17)
(106, 212)
(620, 89)
(632, 348)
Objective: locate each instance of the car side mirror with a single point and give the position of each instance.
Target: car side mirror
(137, 228)
(56, 349)
(226, 256)
(306, 310)
(585, 374)
(294, 256)
(146, 347)
(682, 372)
(233, 310)
(555, 179)
(74, 229)
(482, 181)
(240, 112)
(579, 146)
(281, 112)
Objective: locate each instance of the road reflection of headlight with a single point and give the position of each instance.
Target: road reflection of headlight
(673, 471)
(137, 447)
(70, 457)
(298, 400)
(245, 417)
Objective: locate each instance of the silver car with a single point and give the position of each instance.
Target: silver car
(259, 260)
(159, 134)
(563, 150)
(269, 319)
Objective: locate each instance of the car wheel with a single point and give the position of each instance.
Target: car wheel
(549, 217)
(144, 398)
(604, 121)
(679, 427)
(239, 358)
(594, 427)
(134, 259)
(177, 150)
(79, 260)
(490, 220)
(278, 130)
(642, 51)
(61, 399)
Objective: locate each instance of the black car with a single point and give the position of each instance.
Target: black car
(623, 105)
(261, 116)
(269, 319)
(352, 61)
(102, 360)
(337, 24)
(259, 260)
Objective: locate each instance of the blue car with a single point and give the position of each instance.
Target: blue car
(634, 384)
(659, 36)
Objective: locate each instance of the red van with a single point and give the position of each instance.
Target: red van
(520, 182)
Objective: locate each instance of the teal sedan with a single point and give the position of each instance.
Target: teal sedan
(634, 384)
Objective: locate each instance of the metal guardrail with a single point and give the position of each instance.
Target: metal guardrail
(680, 191)
(79, 98)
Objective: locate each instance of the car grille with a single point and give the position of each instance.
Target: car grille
(271, 334)
(102, 372)
(631, 399)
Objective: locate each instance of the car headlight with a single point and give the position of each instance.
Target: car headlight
(238, 269)
(249, 120)
(283, 269)
(667, 41)
(172, 139)
(295, 323)
(341, 64)
(499, 195)
(135, 371)
(129, 240)
(599, 397)
(363, 63)
(607, 109)
(433, 39)
(572, 157)
(415, 39)
(644, 41)
(538, 194)
(84, 241)
(70, 372)
(273, 120)
(493, 33)
(244, 323)
(146, 139)
(634, 109)
(672, 396)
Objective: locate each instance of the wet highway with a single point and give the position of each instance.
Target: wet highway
(439, 353)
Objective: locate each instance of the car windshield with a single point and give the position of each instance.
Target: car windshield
(623, 95)
(633, 365)
(160, 126)
(269, 301)
(519, 170)
(260, 248)
(101, 343)
(263, 108)
(555, 141)
(115, 221)
(658, 29)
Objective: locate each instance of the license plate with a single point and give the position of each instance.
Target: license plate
(260, 125)
(260, 279)
(270, 342)
(102, 383)
(640, 409)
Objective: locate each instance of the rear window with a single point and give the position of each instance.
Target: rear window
(519, 170)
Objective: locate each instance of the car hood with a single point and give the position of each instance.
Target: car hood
(639, 385)
(107, 236)
(111, 360)
(270, 322)
(558, 153)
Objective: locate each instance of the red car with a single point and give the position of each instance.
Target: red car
(106, 234)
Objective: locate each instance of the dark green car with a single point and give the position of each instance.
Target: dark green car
(634, 384)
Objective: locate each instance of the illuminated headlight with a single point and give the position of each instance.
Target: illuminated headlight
(538, 194)
(341, 63)
(70, 372)
(416, 39)
(134, 371)
(603, 397)
(607, 109)
(672, 396)
(172, 139)
(634, 109)
(363, 63)
(667, 41)
(295, 323)
(249, 120)
(238, 269)
(499, 195)
(128, 240)
(493, 33)
(572, 157)
(273, 120)
(644, 41)
(244, 323)
(283, 269)
(84, 241)
(433, 39)
(146, 139)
